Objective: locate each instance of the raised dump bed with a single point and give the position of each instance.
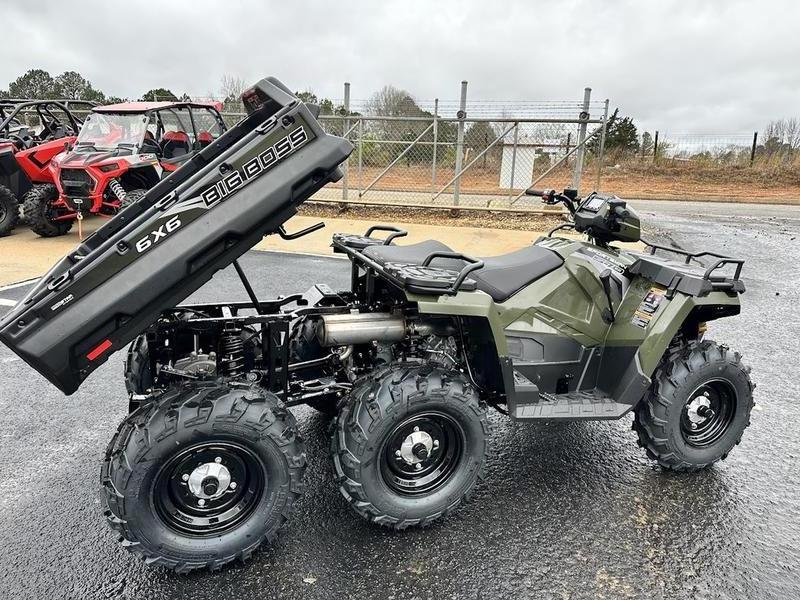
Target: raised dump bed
(167, 245)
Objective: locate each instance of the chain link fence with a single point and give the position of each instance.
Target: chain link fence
(483, 154)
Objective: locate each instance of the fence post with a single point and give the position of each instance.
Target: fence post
(753, 149)
(435, 140)
(601, 155)
(584, 116)
(462, 114)
(360, 153)
(345, 128)
(513, 159)
(655, 146)
(569, 140)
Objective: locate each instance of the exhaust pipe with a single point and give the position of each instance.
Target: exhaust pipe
(360, 328)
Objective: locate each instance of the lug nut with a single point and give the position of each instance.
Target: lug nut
(201, 502)
(233, 485)
(218, 460)
(185, 477)
(418, 466)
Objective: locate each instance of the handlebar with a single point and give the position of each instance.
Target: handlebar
(551, 197)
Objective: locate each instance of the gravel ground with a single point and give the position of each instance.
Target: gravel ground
(568, 511)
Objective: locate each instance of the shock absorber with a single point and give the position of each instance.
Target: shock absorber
(232, 350)
(119, 191)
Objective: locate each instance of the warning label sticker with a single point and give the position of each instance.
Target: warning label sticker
(648, 307)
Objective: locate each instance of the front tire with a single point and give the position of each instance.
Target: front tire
(132, 197)
(202, 476)
(410, 444)
(39, 210)
(697, 408)
(9, 211)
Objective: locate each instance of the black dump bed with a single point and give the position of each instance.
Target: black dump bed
(158, 251)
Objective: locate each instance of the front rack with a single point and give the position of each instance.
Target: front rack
(423, 278)
(710, 279)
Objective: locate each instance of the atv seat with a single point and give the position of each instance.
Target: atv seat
(501, 276)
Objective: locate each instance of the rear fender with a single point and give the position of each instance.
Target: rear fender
(486, 349)
(465, 304)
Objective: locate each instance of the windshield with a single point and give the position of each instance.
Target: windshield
(107, 131)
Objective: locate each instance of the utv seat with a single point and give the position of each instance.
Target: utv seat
(501, 276)
(204, 139)
(174, 144)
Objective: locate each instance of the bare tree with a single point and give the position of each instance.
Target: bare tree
(232, 87)
(784, 131)
(393, 102)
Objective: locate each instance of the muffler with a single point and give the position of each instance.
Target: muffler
(360, 328)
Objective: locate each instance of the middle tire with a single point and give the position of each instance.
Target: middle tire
(410, 444)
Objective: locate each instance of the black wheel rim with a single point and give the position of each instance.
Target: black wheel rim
(422, 453)
(708, 413)
(194, 497)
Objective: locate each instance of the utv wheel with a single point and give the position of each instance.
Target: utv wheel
(410, 444)
(9, 211)
(696, 409)
(39, 211)
(202, 476)
(303, 346)
(132, 197)
(138, 378)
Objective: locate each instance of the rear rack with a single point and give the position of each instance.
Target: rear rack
(422, 278)
(691, 282)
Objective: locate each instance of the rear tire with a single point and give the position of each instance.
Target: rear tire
(38, 209)
(410, 444)
(171, 503)
(9, 211)
(697, 408)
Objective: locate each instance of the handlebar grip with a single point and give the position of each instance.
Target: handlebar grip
(532, 192)
(621, 212)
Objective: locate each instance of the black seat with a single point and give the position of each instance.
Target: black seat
(501, 276)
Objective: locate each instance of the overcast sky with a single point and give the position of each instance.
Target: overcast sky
(684, 66)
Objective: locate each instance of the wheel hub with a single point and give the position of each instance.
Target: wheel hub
(417, 447)
(708, 413)
(209, 488)
(699, 410)
(209, 480)
(422, 453)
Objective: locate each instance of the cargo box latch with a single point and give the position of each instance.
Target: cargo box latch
(59, 281)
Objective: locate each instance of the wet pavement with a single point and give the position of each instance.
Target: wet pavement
(568, 510)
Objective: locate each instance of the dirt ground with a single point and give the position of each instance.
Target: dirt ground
(668, 179)
(522, 221)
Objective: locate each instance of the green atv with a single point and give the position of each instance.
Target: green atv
(409, 360)
(209, 463)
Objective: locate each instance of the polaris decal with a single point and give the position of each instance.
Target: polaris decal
(159, 234)
(63, 302)
(255, 167)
